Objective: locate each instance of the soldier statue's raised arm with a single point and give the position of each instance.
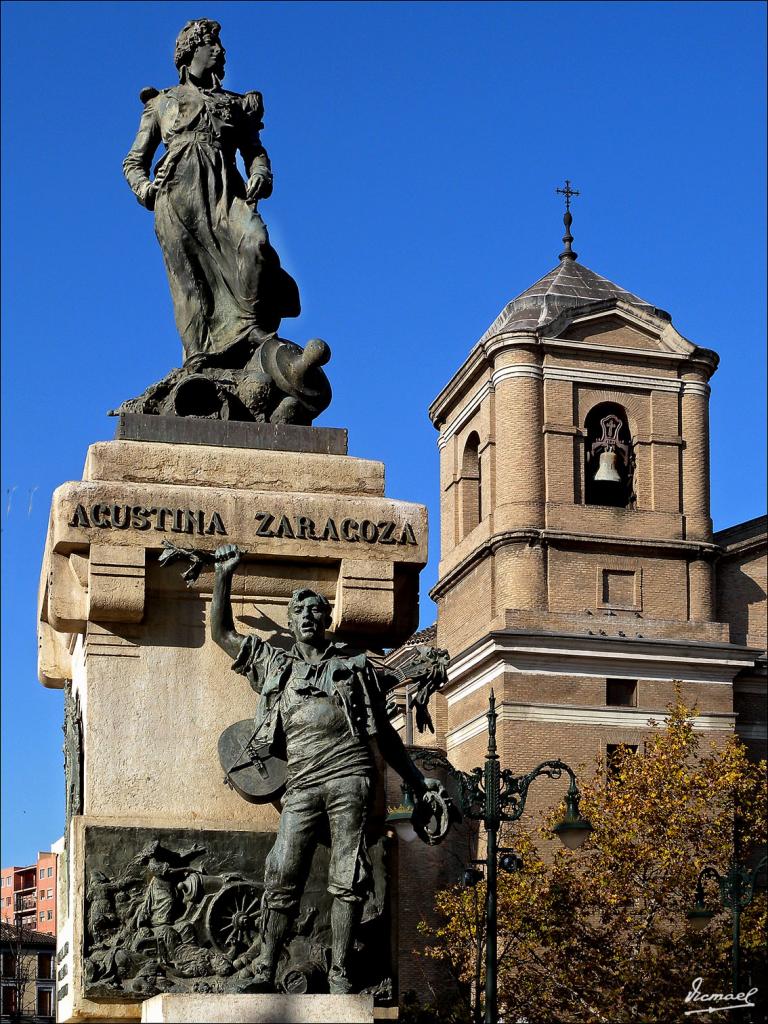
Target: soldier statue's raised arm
(321, 703)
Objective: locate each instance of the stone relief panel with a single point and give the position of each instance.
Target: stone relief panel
(179, 910)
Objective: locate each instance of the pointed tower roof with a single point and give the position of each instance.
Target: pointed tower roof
(568, 285)
(569, 313)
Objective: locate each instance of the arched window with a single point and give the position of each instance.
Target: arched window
(470, 488)
(609, 459)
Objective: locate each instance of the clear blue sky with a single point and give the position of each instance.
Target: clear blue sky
(416, 149)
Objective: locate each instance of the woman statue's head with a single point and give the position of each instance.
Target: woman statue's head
(199, 49)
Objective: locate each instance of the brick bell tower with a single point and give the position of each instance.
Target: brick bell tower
(577, 555)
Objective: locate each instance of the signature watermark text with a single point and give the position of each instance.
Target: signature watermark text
(717, 1002)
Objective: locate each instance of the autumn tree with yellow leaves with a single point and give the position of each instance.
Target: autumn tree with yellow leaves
(601, 936)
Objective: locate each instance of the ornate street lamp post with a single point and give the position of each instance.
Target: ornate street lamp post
(737, 887)
(494, 795)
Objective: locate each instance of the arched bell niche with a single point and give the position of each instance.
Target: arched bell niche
(609, 457)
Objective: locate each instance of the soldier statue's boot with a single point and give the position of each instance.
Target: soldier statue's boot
(274, 929)
(344, 919)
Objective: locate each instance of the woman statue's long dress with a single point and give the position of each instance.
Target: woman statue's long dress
(229, 290)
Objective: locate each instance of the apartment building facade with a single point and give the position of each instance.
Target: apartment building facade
(28, 894)
(27, 975)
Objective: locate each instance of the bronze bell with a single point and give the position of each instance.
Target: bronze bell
(606, 470)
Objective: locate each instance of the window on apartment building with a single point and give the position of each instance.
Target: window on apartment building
(50, 872)
(7, 901)
(50, 894)
(44, 1002)
(9, 1000)
(50, 915)
(45, 966)
(42, 894)
(614, 753)
(621, 693)
(42, 915)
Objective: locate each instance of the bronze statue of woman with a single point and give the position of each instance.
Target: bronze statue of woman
(229, 290)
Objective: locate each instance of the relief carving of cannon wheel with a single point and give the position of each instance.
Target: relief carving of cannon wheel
(232, 918)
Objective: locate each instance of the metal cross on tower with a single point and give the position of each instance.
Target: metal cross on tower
(568, 192)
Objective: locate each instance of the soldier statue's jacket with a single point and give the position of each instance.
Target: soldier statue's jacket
(341, 672)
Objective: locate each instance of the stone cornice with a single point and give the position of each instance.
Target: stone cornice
(737, 656)
(578, 375)
(480, 360)
(531, 370)
(597, 378)
(753, 545)
(674, 349)
(637, 355)
(744, 538)
(531, 651)
(658, 327)
(688, 548)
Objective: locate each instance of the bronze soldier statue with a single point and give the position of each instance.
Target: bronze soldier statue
(321, 704)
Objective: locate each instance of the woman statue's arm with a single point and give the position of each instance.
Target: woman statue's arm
(255, 158)
(139, 160)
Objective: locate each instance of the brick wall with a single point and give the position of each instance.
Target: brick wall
(741, 596)
(576, 581)
(456, 629)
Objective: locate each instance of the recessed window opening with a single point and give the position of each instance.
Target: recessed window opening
(44, 1002)
(470, 485)
(621, 693)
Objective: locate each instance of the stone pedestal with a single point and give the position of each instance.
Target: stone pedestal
(148, 693)
(258, 1009)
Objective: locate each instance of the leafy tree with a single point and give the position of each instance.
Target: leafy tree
(601, 936)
